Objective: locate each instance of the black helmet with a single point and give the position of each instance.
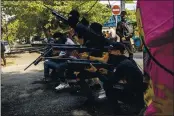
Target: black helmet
(117, 46)
(74, 13)
(96, 27)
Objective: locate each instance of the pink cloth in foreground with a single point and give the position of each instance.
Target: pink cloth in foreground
(157, 19)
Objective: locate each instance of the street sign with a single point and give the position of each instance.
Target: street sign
(118, 18)
(110, 22)
(116, 10)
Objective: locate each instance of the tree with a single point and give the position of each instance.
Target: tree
(129, 1)
(31, 17)
(131, 15)
(123, 2)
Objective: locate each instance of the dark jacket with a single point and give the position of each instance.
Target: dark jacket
(92, 39)
(122, 30)
(126, 69)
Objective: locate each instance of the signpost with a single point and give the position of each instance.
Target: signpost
(116, 11)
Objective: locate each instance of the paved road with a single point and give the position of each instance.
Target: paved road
(22, 97)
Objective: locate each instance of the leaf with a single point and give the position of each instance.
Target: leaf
(32, 16)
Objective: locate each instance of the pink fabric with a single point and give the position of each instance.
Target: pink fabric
(157, 18)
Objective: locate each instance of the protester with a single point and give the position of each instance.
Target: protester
(124, 33)
(125, 75)
(95, 55)
(3, 49)
(3, 53)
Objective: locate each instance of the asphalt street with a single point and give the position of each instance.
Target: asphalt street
(21, 96)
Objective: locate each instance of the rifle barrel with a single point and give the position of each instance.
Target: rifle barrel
(57, 15)
(82, 49)
(80, 65)
(50, 44)
(28, 66)
(69, 59)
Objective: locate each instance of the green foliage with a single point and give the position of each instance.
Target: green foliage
(129, 1)
(131, 15)
(31, 17)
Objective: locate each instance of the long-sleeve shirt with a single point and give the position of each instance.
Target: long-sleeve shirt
(68, 42)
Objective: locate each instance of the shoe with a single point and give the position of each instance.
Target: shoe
(102, 96)
(62, 86)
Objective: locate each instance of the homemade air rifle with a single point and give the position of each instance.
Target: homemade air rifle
(48, 45)
(65, 59)
(54, 44)
(58, 16)
(81, 48)
(44, 54)
(81, 65)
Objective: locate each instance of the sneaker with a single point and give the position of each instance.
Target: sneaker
(62, 86)
(102, 94)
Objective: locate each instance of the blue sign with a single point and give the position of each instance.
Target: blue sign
(111, 22)
(118, 18)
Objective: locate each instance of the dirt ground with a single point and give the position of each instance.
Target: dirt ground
(17, 62)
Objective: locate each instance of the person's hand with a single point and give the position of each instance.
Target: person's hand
(84, 55)
(123, 38)
(74, 53)
(71, 32)
(103, 71)
(42, 58)
(164, 107)
(122, 81)
(92, 68)
(76, 73)
(55, 52)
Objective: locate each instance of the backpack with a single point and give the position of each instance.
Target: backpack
(130, 28)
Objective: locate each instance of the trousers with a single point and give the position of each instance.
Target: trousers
(124, 94)
(57, 69)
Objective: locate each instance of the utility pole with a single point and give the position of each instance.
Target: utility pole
(122, 5)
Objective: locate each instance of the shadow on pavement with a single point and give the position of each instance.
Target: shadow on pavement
(22, 97)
